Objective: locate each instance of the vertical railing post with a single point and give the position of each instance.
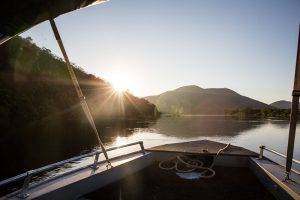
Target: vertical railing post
(23, 194)
(96, 160)
(142, 147)
(261, 153)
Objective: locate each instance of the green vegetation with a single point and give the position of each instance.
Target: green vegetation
(35, 84)
(247, 113)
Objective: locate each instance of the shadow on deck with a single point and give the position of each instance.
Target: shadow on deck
(154, 183)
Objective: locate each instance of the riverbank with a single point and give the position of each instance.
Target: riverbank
(248, 113)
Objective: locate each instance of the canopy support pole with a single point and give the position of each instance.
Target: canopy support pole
(294, 114)
(78, 89)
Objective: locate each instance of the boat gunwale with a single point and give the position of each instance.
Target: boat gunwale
(202, 153)
(61, 163)
(189, 148)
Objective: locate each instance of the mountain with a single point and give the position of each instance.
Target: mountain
(35, 84)
(196, 100)
(282, 104)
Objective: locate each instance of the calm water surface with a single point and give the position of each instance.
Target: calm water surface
(44, 143)
(246, 133)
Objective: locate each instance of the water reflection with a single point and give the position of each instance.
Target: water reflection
(280, 124)
(246, 133)
(31, 146)
(206, 126)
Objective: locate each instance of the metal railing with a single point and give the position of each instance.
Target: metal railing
(27, 176)
(263, 147)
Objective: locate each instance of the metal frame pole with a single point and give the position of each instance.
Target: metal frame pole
(294, 113)
(77, 88)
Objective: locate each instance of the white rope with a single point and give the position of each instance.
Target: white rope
(190, 164)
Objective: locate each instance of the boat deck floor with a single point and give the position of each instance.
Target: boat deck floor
(203, 147)
(153, 183)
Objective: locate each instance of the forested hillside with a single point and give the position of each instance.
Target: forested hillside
(282, 104)
(35, 84)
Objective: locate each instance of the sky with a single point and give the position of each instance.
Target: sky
(151, 46)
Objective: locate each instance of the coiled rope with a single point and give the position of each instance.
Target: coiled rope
(190, 164)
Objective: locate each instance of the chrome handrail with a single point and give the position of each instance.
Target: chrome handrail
(263, 147)
(60, 163)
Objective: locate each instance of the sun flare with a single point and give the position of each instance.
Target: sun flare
(118, 86)
(120, 82)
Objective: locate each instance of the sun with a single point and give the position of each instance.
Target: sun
(120, 82)
(119, 86)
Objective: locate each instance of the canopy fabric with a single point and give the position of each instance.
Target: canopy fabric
(17, 16)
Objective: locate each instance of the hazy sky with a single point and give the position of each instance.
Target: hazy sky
(151, 46)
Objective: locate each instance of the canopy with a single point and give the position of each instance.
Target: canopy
(17, 16)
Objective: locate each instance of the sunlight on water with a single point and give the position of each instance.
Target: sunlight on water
(244, 133)
(249, 134)
(120, 141)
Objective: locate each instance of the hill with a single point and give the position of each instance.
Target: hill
(282, 104)
(35, 84)
(196, 100)
(41, 120)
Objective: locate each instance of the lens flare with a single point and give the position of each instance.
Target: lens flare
(120, 82)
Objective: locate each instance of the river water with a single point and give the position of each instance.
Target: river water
(249, 134)
(245, 133)
(38, 144)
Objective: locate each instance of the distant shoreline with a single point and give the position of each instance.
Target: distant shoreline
(248, 113)
(191, 115)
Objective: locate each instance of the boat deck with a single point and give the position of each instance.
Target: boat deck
(137, 176)
(277, 174)
(203, 147)
(154, 183)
